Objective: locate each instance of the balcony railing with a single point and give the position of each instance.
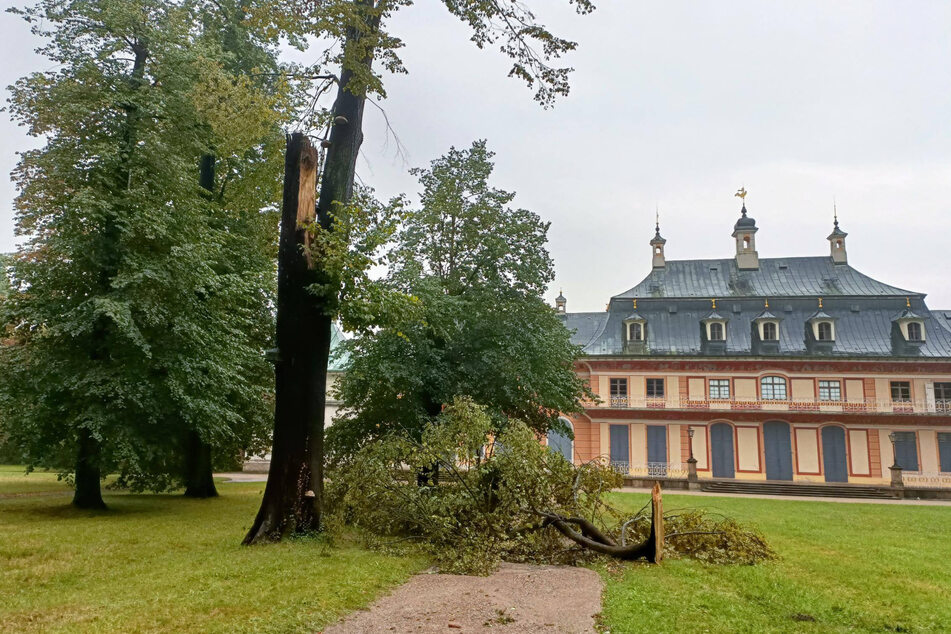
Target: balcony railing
(926, 480)
(868, 405)
(674, 470)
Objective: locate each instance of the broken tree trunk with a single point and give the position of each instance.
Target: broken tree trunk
(293, 502)
(589, 536)
(287, 504)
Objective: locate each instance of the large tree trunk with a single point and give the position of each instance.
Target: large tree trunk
(288, 497)
(199, 481)
(88, 493)
(294, 492)
(88, 475)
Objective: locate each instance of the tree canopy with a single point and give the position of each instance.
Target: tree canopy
(141, 297)
(477, 269)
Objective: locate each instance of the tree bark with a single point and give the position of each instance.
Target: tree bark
(293, 496)
(652, 549)
(199, 481)
(287, 505)
(88, 477)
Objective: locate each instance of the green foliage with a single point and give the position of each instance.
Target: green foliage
(483, 510)
(494, 498)
(359, 31)
(349, 252)
(704, 536)
(140, 302)
(477, 325)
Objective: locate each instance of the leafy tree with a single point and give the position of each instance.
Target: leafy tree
(292, 498)
(140, 300)
(478, 269)
(514, 500)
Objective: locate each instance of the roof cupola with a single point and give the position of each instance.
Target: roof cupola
(657, 246)
(744, 231)
(560, 302)
(837, 241)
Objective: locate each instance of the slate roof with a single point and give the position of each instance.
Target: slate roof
(338, 358)
(943, 317)
(863, 309)
(776, 277)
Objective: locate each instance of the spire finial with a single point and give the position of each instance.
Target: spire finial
(635, 303)
(820, 302)
(766, 303)
(714, 303)
(835, 214)
(741, 194)
(657, 219)
(907, 302)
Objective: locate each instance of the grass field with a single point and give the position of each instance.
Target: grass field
(842, 567)
(163, 563)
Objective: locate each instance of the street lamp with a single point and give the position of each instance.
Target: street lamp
(691, 463)
(897, 481)
(891, 437)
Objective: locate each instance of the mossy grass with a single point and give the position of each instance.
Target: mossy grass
(163, 563)
(840, 567)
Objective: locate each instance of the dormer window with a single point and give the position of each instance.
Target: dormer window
(635, 331)
(715, 331)
(765, 335)
(820, 331)
(911, 326)
(915, 331)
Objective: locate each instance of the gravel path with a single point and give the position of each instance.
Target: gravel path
(518, 598)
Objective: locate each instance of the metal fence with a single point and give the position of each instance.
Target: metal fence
(675, 470)
(926, 479)
(869, 405)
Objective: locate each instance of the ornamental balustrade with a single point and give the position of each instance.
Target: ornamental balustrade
(868, 405)
(675, 470)
(926, 480)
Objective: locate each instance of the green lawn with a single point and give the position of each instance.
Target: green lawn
(164, 563)
(842, 567)
(161, 563)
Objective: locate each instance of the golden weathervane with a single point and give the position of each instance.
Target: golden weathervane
(741, 193)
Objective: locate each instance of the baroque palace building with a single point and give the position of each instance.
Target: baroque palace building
(796, 369)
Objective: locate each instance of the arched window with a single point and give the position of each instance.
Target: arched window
(561, 443)
(635, 332)
(770, 332)
(746, 242)
(824, 331)
(914, 331)
(716, 331)
(772, 388)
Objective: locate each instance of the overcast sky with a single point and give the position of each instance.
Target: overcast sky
(676, 105)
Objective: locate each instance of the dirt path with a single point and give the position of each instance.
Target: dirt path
(518, 598)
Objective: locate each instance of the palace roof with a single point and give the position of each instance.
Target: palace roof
(674, 302)
(776, 277)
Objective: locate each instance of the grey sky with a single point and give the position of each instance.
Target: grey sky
(678, 104)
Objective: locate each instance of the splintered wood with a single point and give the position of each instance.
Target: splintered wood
(657, 517)
(307, 195)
